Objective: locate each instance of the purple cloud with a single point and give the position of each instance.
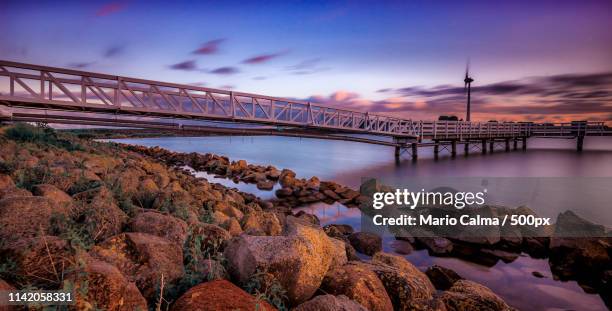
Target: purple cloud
(263, 58)
(210, 47)
(188, 65)
(225, 70)
(114, 51)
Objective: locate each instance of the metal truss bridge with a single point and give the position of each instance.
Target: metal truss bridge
(79, 97)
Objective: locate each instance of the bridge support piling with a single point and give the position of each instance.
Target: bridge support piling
(491, 145)
(524, 143)
(466, 148)
(507, 144)
(436, 149)
(415, 148)
(515, 144)
(484, 146)
(454, 148)
(579, 143)
(397, 152)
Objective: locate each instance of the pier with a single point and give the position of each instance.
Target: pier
(36, 93)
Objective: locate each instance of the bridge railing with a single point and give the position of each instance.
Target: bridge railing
(570, 129)
(461, 130)
(58, 88)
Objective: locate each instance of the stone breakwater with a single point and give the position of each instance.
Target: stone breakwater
(293, 192)
(129, 232)
(585, 259)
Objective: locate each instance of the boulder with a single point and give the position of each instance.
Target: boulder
(298, 259)
(349, 194)
(148, 186)
(356, 281)
(466, 295)
(366, 242)
(261, 223)
(99, 213)
(228, 209)
(273, 173)
(313, 183)
(218, 295)
(579, 248)
(6, 182)
(100, 285)
(331, 194)
(330, 303)
(571, 225)
(405, 284)
(402, 247)
(311, 218)
(232, 226)
(339, 254)
(14, 192)
(143, 258)
(284, 192)
(265, 185)
(52, 193)
(26, 217)
(161, 225)
(40, 261)
(436, 245)
(338, 231)
(441, 277)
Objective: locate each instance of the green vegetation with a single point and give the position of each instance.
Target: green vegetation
(41, 134)
(264, 286)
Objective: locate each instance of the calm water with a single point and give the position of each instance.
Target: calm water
(348, 163)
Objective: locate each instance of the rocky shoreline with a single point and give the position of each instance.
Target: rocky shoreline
(127, 228)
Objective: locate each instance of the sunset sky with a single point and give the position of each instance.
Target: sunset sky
(532, 60)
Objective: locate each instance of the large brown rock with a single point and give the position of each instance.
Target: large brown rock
(218, 295)
(143, 258)
(14, 192)
(366, 242)
(100, 285)
(52, 193)
(26, 217)
(161, 225)
(466, 295)
(298, 260)
(228, 209)
(261, 223)
(6, 182)
(40, 261)
(405, 284)
(357, 281)
(232, 226)
(99, 213)
(330, 303)
(579, 248)
(441, 277)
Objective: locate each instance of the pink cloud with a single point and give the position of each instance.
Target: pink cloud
(111, 8)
